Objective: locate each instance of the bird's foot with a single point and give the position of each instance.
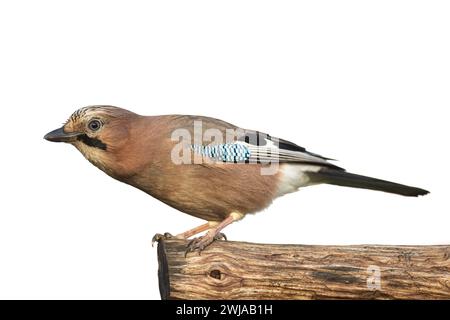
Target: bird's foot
(200, 243)
(220, 236)
(158, 237)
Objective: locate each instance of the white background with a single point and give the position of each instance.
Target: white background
(363, 82)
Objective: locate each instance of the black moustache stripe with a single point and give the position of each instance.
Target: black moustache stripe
(92, 142)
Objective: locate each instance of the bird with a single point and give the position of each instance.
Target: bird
(202, 166)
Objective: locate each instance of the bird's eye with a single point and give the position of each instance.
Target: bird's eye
(94, 125)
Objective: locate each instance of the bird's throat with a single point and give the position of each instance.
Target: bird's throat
(96, 154)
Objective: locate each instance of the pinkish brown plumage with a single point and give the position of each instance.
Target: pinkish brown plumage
(228, 182)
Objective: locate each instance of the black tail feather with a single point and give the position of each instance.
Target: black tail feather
(346, 179)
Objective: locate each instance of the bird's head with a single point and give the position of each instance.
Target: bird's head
(98, 132)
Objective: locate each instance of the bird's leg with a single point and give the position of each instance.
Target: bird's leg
(186, 234)
(196, 230)
(213, 234)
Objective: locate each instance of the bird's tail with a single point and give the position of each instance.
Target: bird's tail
(346, 179)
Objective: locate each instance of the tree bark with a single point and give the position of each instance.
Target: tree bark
(239, 270)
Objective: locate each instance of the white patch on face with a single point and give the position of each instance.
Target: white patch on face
(93, 155)
(292, 177)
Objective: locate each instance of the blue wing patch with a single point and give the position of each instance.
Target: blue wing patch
(227, 152)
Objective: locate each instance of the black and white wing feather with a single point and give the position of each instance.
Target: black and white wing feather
(256, 147)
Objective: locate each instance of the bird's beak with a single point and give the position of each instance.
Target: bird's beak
(59, 135)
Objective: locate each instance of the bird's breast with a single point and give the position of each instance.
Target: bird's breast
(208, 192)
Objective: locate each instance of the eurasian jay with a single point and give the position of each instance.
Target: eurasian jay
(203, 166)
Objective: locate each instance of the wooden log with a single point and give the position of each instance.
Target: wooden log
(238, 270)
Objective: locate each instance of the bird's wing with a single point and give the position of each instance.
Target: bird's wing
(257, 147)
(247, 146)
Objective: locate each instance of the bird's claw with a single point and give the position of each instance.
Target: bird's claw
(200, 243)
(158, 237)
(220, 236)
